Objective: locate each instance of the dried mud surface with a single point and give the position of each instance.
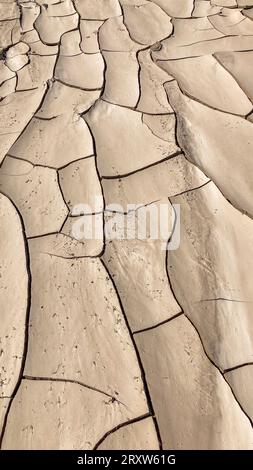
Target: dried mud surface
(117, 344)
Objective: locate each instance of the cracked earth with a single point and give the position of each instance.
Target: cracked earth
(117, 344)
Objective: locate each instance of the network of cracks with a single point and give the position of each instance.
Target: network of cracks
(117, 344)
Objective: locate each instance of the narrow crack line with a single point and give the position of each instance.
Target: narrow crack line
(249, 114)
(182, 152)
(138, 78)
(41, 118)
(221, 372)
(104, 72)
(133, 109)
(138, 357)
(176, 58)
(78, 26)
(30, 42)
(210, 19)
(26, 89)
(188, 157)
(73, 256)
(20, 14)
(44, 235)
(8, 133)
(125, 175)
(63, 16)
(87, 214)
(215, 365)
(118, 51)
(151, 130)
(119, 426)
(192, 189)
(225, 300)
(27, 318)
(157, 325)
(36, 111)
(204, 41)
(219, 110)
(97, 38)
(123, 20)
(42, 55)
(55, 43)
(235, 206)
(64, 221)
(77, 87)
(239, 366)
(234, 77)
(70, 257)
(218, 39)
(8, 80)
(72, 381)
(7, 20)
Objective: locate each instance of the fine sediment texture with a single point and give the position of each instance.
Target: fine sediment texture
(107, 108)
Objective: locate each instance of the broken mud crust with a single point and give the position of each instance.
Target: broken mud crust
(108, 107)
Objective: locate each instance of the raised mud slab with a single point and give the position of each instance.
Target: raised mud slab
(111, 111)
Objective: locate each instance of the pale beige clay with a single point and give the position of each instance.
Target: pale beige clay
(126, 231)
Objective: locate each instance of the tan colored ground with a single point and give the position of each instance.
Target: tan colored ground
(118, 344)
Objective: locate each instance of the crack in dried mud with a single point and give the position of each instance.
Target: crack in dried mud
(129, 128)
